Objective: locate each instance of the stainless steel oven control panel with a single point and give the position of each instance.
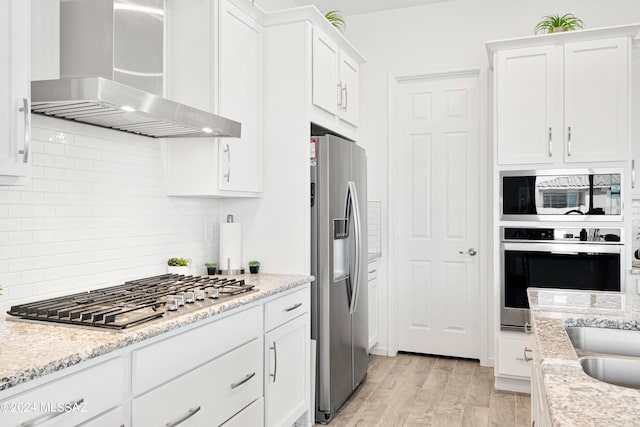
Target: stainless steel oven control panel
(610, 235)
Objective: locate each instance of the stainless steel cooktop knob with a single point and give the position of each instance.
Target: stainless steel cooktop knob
(199, 294)
(214, 293)
(179, 300)
(172, 304)
(189, 297)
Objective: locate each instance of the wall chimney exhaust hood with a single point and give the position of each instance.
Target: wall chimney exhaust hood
(111, 67)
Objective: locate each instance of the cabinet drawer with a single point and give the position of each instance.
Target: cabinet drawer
(511, 356)
(208, 395)
(287, 307)
(71, 399)
(251, 416)
(113, 418)
(164, 360)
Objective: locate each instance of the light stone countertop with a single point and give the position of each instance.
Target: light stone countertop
(31, 350)
(574, 398)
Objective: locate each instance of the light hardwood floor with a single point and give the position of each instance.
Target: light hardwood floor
(417, 391)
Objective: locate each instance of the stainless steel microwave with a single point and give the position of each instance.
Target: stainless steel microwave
(561, 195)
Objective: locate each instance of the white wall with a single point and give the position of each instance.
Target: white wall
(96, 214)
(440, 36)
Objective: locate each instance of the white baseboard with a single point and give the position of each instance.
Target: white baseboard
(513, 384)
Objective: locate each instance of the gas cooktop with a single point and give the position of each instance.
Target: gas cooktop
(133, 303)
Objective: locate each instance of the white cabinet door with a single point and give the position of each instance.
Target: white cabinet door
(326, 89)
(373, 309)
(596, 100)
(15, 24)
(350, 81)
(513, 351)
(286, 371)
(240, 99)
(529, 102)
(635, 120)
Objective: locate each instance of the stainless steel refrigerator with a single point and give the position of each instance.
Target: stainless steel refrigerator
(339, 315)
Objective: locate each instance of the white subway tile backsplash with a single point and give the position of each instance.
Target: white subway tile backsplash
(95, 214)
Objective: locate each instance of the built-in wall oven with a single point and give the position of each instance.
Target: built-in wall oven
(556, 257)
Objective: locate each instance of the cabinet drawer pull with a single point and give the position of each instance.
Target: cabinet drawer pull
(550, 142)
(239, 383)
(340, 95)
(346, 98)
(524, 354)
(293, 307)
(527, 328)
(183, 418)
(51, 415)
(275, 361)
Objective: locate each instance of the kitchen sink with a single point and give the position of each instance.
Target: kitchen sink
(605, 340)
(613, 370)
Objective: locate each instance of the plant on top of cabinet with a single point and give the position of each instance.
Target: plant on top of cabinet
(556, 23)
(336, 19)
(178, 266)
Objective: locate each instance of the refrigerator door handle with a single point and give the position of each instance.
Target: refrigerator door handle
(353, 195)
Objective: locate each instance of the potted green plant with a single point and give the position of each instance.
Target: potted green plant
(212, 268)
(336, 19)
(178, 266)
(254, 267)
(556, 23)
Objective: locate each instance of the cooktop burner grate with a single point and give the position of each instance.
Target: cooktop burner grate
(134, 302)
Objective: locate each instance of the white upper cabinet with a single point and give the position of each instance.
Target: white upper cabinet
(214, 62)
(635, 132)
(15, 126)
(527, 104)
(563, 98)
(241, 99)
(335, 79)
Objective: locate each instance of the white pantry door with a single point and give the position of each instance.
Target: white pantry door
(438, 271)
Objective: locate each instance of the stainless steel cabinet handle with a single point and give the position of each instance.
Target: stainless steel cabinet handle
(339, 95)
(527, 328)
(293, 307)
(550, 142)
(244, 380)
(346, 98)
(50, 415)
(569, 141)
(183, 418)
(275, 361)
(470, 251)
(27, 130)
(524, 355)
(228, 151)
(633, 173)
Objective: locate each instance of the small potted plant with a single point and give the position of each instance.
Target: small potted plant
(254, 267)
(556, 23)
(212, 268)
(178, 266)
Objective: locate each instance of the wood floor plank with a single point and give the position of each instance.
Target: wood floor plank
(413, 390)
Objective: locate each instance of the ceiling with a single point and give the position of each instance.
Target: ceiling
(354, 7)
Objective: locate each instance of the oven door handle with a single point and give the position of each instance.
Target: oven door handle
(564, 248)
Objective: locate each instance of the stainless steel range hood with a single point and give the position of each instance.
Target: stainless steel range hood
(111, 64)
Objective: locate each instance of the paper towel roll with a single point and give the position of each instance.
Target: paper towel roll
(230, 247)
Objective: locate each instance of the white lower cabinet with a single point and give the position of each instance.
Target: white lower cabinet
(114, 418)
(69, 400)
(373, 305)
(286, 372)
(208, 395)
(513, 370)
(251, 416)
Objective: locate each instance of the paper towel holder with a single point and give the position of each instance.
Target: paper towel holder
(229, 271)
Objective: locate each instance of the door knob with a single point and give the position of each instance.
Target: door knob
(470, 251)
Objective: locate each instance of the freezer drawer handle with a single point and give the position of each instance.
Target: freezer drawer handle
(239, 383)
(183, 418)
(275, 361)
(51, 415)
(293, 307)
